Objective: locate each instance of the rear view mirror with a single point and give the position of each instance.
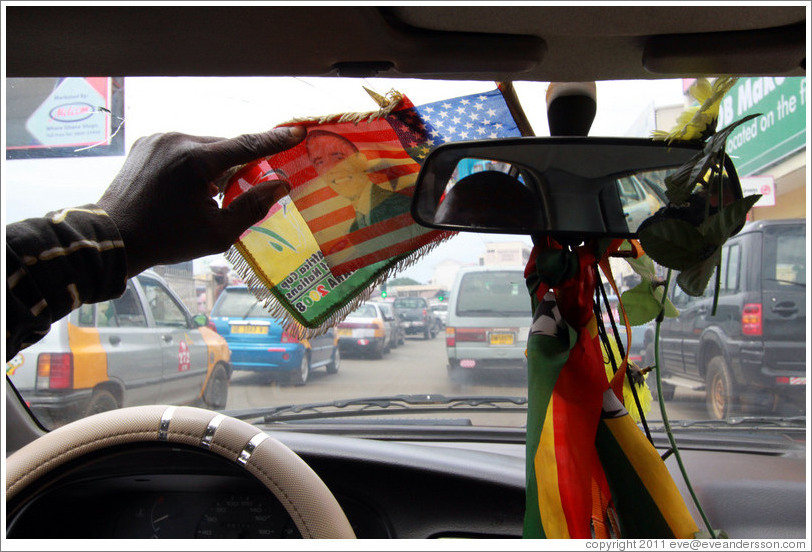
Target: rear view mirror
(565, 187)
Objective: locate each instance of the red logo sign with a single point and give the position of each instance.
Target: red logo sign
(184, 357)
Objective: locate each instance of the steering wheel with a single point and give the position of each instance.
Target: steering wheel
(304, 495)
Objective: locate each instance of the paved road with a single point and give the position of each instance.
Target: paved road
(418, 366)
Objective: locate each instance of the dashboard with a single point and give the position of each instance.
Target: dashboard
(387, 489)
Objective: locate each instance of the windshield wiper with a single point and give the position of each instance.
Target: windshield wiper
(780, 280)
(748, 422)
(251, 308)
(388, 405)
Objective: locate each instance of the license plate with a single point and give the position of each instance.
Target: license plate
(344, 332)
(502, 339)
(249, 329)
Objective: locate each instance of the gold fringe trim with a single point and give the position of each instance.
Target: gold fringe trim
(393, 97)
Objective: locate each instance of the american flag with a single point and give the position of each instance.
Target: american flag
(475, 117)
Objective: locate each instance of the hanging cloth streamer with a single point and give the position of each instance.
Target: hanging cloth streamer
(586, 458)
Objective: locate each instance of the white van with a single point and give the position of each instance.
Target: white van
(489, 318)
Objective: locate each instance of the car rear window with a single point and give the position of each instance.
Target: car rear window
(493, 293)
(409, 303)
(784, 257)
(364, 311)
(237, 304)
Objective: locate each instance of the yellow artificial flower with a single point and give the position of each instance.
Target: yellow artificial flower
(694, 122)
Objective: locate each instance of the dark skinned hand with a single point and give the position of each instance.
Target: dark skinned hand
(162, 200)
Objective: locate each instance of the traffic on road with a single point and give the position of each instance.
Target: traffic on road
(419, 366)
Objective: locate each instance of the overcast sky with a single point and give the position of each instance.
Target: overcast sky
(235, 106)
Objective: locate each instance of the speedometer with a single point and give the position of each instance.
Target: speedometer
(245, 517)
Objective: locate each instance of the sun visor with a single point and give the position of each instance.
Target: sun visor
(779, 50)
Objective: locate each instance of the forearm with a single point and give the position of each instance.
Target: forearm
(56, 263)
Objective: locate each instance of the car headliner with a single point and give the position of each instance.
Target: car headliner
(541, 43)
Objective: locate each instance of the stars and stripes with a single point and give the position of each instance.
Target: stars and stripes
(474, 117)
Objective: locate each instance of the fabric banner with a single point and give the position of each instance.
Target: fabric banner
(347, 225)
(590, 469)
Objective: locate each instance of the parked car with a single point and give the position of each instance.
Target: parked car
(750, 355)
(390, 450)
(260, 344)
(398, 336)
(488, 321)
(142, 348)
(415, 316)
(366, 331)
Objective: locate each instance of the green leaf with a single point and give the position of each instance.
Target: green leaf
(681, 183)
(643, 302)
(710, 158)
(643, 266)
(640, 303)
(669, 310)
(694, 279)
(719, 227)
(718, 140)
(672, 243)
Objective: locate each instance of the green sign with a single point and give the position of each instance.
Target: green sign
(779, 132)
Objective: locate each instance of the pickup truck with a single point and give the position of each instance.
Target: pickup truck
(142, 348)
(416, 316)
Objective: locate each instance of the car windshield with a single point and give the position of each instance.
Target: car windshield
(67, 138)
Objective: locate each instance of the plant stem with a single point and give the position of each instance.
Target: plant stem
(666, 423)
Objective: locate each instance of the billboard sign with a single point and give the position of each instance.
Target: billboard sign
(764, 185)
(64, 117)
(779, 132)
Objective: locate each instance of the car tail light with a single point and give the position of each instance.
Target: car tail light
(450, 337)
(287, 338)
(210, 325)
(790, 380)
(472, 335)
(55, 371)
(751, 319)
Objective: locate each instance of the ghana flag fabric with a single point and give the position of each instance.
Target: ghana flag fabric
(347, 225)
(590, 470)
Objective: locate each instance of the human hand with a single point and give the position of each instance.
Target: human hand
(162, 200)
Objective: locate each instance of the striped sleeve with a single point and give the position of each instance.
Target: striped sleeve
(56, 263)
